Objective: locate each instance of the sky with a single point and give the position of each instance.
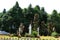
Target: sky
(49, 5)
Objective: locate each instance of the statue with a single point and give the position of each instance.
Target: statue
(30, 27)
(38, 31)
(20, 29)
(35, 21)
(36, 24)
(50, 28)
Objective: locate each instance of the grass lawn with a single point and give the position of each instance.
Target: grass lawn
(41, 37)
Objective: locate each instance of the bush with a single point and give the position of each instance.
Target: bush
(27, 35)
(34, 33)
(55, 34)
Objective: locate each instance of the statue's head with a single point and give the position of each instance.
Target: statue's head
(36, 16)
(21, 24)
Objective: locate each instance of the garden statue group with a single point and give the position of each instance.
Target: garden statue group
(35, 28)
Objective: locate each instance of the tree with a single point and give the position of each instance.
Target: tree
(36, 22)
(30, 13)
(43, 21)
(4, 11)
(43, 15)
(54, 16)
(37, 9)
(25, 12)
(55, 19)
(17, 15)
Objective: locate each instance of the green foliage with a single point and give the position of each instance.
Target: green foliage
(54, 34)
(17, 15)
(55, 17)
(4, 11)
(34, 33)
(37, 9)
(43, 15)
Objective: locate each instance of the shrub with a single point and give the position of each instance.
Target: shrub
(55, 34)
(34, 33)
(27, 35)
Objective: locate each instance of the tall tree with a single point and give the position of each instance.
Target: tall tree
(30, 12)
(54, 16)
(37, 9)
(55, 19)
(16, 14)
(4, 11)
(43, 15)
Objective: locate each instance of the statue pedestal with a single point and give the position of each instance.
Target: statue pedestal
(38, 31)
(30, 28)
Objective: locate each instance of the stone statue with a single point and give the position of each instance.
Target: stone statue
(35, 21)
(20, 29)
(30, 27)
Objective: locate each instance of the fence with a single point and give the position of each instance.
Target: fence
(27, 38)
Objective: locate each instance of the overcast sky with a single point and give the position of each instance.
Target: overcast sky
(49, 5)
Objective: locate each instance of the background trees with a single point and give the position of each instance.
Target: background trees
(56, 20)
(11, 19)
